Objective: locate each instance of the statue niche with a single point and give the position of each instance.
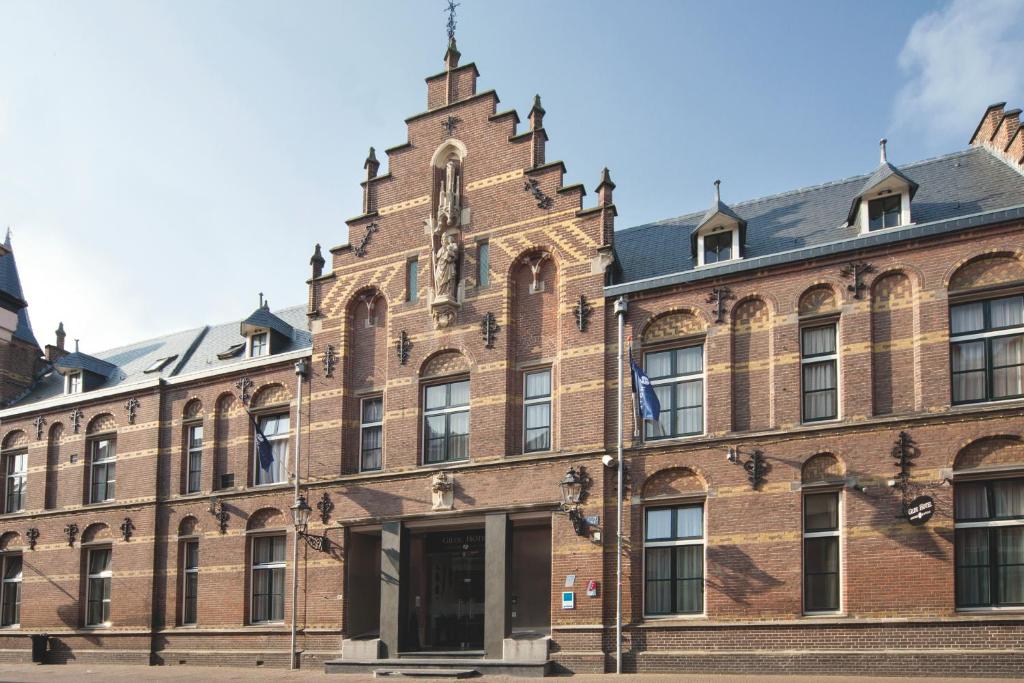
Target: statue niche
(445, 228)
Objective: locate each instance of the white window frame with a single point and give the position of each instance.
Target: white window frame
(264, 346)
(107, 574)
(548, 399)
(186, 571)
(193, 451)
(11, 584)
(285, 437)
(864, 215)
(368, 425)
(735, 254)
(812, 360)
(680, 379)
(73, 383)
(253, 567)
(837, 533)
(433, 412)
(412, 286)
(15, 477)
(703, 540)
(107, 462)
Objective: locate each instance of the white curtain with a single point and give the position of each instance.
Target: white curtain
(967, 318)
(1007, 312)
(971, 501)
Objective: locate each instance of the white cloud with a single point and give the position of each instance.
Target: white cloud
(959, 60)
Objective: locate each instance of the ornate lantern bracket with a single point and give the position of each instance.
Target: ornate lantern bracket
(300, 517)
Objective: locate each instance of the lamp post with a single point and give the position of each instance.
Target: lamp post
(621, 306)
(301, 509)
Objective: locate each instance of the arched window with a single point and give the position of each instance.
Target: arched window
(445, 408)
(674, 362)
(15, 469)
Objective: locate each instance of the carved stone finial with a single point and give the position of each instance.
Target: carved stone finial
(317, 261)
(371, 164)
(61, 335)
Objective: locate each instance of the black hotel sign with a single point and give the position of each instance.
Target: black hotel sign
(920, 510)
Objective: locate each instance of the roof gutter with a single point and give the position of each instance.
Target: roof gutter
(867, 241)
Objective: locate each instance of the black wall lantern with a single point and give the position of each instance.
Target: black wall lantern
(573, 487)
(300, 517)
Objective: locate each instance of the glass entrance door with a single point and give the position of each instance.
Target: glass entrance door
(451, 606)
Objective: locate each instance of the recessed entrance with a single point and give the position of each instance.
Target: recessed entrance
(445, 603)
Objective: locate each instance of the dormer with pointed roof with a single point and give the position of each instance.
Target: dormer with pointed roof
(14, 321)
(884, 200)
(720, 234)
(265, 333)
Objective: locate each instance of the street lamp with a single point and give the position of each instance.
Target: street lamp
(572, 486)
(300, 515)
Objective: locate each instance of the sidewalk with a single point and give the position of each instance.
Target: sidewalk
(83, 673)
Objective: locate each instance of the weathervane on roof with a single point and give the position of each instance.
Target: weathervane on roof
(451, 19)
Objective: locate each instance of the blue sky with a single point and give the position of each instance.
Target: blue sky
(162, 162)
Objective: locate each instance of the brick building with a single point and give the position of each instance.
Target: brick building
(835, 484)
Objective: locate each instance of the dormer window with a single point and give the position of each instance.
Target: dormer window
(718, 247)
(719, 235)
(884, 200)
(73, 383)
(258, 345)
(885, 212)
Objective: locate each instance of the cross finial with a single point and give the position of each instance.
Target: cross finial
(451, 19)
(881, 150)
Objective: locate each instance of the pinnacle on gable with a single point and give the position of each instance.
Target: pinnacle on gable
(452, 55)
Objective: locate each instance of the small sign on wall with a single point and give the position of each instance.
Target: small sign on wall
(568, 600)
(920, 510)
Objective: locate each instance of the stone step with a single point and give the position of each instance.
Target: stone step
(442, 654)
(426, 673)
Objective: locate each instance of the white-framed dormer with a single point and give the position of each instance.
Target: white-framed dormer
(885, 199)
(73, 383)
(719, 236)
(257, 344)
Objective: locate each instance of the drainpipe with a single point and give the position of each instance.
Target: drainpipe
(300, 374)
(620, 312)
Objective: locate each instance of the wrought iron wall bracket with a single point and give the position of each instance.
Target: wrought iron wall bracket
(533, 187)
(330, 358)
(402, 347)
(71, 531)
(131, 406)
(32, 535)
(127, 528)
(325, 506)
(489, 327)
(39, 423)
(76, 419)
(856, 270)
(720, 296)
(360, 250)
(582, 311)
(318, 543)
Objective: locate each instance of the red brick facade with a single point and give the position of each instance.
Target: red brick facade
(545, 251)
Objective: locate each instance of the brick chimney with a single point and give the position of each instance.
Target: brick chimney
(55, 352)
(999, 132)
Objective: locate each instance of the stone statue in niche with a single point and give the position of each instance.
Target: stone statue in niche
(445, 227)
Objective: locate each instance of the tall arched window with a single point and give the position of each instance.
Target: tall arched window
(445, 408)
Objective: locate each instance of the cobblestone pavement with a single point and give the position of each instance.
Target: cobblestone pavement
(83, 673)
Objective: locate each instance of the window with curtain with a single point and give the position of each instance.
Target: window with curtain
(885, 212)
(989, 543)
(819, 372)
(15, 473)
(821, 552)
(10, 590)
(371, 434)
(275, 428)
(97, 587)
(537, 411)
(446, 422)
(677, 376)
(194, 459)
(987, 349)
(102, 470)
(674, 560)
(268, 567)
(190, 583)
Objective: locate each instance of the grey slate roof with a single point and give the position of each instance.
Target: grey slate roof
(196, 351)
(951, 186)
(262, 317)
(83, 361)
(10, 285)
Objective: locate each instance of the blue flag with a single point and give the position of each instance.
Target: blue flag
(647, 400)
(263, 448)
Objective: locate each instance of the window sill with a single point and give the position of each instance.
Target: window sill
(1011, 609)
(446, 465)
(660, 441)
(11, 627)
(96, 627)
(662, 619)
(265, 624)
(837, 614)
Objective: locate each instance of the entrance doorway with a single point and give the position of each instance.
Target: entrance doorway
(446, 603)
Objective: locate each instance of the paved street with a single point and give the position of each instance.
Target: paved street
(80, 673)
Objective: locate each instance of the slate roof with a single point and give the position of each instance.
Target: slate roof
(262, 317)
(959, 184)
(10, 285)
(196, 351)
(881, 174)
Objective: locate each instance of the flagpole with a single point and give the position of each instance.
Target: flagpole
(300, 373)
(620, 312)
